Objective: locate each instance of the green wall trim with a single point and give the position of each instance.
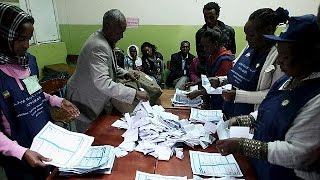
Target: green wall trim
(166, 37)
(51, 53)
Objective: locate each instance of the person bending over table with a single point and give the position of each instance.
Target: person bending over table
(93, 85)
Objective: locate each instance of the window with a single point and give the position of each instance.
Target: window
(46, 29)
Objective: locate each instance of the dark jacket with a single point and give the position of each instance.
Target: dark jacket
(176, 67)
(230, 42)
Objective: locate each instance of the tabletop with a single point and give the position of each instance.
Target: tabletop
(126, 167)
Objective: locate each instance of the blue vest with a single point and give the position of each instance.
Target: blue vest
(216, 99)
(275, 116)
(26, 113)
(244, 75)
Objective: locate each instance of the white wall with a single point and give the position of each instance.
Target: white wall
(173, 12)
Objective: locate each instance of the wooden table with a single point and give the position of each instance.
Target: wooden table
(125, 168)
(165, 99)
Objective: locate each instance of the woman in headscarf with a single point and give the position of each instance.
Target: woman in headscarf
(23, 105)
(132, 61)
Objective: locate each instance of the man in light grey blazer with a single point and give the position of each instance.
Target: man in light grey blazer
(93, 84)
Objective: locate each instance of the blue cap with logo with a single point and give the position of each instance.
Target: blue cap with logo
(299, 28)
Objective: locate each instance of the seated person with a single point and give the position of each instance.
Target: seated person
(94, 85)
(198, 66)
(286, 141)
(152, 62)
(132, 61)
(179, 67)
(119, 56)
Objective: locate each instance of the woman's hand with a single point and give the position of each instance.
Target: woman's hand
(70, 108)
(229, 95)
(189, 84)
(214, 81)
(232, 122)
(228, 146)
(35, 159)
(193, 94)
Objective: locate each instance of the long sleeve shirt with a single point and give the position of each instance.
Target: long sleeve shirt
(7, 146)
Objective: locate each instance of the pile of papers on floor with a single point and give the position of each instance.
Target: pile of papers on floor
(154, 132)
(180, 99)
(72, 152)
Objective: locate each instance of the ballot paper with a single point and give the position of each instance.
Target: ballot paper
(200, 115)
(98, 159)
(210, 90)
(214, 164)
(146, 176)
(224, 132)
(64, 147)
(195, 177)
(239, 132)
(180, 99)
(157, 133)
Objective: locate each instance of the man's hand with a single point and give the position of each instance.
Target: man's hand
(134, 76)
(35, 159)
(228, 146)
(70, 108)
(142, 96)
(229, 95)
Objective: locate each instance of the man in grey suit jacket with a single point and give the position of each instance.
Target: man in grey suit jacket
(93, 84)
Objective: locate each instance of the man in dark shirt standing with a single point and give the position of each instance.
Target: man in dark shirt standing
(179, 67)
(211, 12)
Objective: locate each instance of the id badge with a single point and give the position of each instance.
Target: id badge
(32, 84)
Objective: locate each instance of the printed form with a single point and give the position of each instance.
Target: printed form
(146, 176)
(206, 115)
(65, 148)
(214, 164)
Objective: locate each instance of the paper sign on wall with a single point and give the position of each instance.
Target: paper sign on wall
(132, 22)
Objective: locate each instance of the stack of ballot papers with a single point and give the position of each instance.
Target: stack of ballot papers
(180, 99)
(154, 132)
(72, 152)
(199, 115)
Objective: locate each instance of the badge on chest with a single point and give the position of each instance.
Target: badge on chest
(32, 84)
